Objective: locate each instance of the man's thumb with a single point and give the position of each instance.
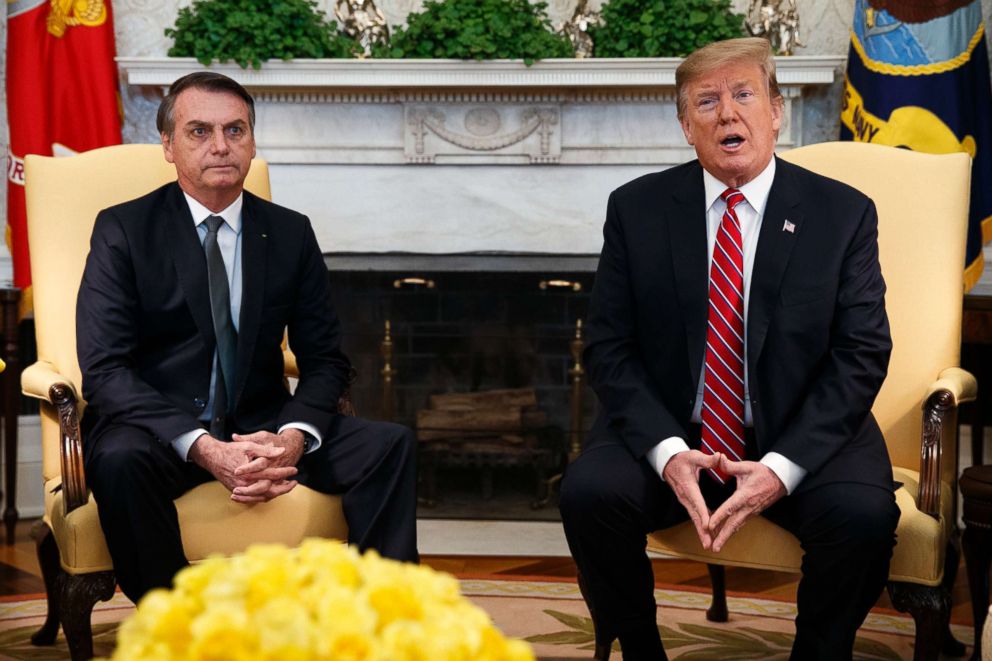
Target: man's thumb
(712, 460)
(728, 465)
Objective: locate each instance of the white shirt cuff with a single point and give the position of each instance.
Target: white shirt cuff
(659, 455)
(788, 471)
(304, 427)
(182, 443)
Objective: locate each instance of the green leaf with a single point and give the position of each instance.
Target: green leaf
(873, 649)
(251, 31)
(562, 638)
(635, 28)
(483, 29)
(783, 640)
(717, 635)
(724, 654)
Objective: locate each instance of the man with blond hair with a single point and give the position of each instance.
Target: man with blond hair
(737, 340)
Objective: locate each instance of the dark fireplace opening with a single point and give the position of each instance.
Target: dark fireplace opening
(507, 341)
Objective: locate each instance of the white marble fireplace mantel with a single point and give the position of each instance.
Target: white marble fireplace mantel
(441, 156)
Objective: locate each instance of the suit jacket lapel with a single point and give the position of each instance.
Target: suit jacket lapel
(775, 245)
(191, 264)
(254, 239)
(687, 228)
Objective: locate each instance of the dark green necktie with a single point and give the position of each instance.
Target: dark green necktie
(227, 337)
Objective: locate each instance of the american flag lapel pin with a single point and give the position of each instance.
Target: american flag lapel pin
(789, 227)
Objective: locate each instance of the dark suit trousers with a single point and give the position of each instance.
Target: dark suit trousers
(135, 479)
(610, 501)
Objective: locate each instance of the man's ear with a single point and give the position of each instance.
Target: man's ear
(777, 110)
(167, 147)
(687, 131)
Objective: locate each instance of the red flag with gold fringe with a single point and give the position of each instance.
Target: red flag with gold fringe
(62, 97)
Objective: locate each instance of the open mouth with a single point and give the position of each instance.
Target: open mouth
(732, 141)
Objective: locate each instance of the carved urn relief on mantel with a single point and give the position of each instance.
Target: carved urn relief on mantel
(438, 156)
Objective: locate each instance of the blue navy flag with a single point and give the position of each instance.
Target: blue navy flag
(918, 78)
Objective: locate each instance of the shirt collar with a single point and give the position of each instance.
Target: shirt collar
(755, 191)
(231, 215)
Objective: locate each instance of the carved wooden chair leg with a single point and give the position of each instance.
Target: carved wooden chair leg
(717, 611)
(51, 570)
(931, 611)
(79, 594)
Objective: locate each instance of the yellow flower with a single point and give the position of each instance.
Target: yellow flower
(321, 602)
(324, 563)
(395, 602)
(341, 612)
(223, 634)
(348, 646)
(164, 618)
(193, 580)
(518, 650)
(407, 641)
(265, 575)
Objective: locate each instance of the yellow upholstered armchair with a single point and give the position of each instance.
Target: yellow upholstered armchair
(63, 198)
(922, 203)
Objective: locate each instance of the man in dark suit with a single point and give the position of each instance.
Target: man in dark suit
(737, 340)
(180, 318)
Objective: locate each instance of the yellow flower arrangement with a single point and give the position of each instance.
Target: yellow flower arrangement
(321, 601)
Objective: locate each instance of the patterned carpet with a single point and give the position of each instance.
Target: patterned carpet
(552, 616)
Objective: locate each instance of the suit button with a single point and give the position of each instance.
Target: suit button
(199, 403)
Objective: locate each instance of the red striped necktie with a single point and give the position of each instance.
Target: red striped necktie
(723, 394)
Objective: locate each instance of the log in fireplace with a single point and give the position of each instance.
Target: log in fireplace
(487, 430)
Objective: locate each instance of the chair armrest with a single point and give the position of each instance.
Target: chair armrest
(292, 370)
(961, 384)
(38, 379)
(953, 387)
(42, 381)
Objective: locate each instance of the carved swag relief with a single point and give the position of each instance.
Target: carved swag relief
(516, 132)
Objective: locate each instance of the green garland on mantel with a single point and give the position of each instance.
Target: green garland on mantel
(252, 31)
(664, 28)
(478, 30)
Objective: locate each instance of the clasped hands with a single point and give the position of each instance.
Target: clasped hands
(254, 467)
(757, 488)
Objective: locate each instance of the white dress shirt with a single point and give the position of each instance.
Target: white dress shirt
(229, 242)
(750, 214)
